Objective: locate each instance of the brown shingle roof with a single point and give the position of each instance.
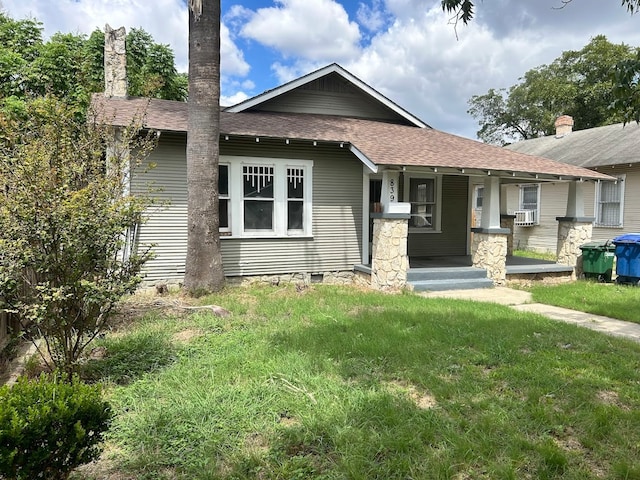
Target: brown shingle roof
(382, 143)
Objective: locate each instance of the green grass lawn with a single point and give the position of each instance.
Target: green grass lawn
(535, 254)
(336, 383)
(611, 300)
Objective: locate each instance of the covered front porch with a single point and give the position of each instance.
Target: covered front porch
(404, 255)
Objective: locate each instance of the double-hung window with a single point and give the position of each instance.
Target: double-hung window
(609, 203)
(529, 212)
(223, 198)
(267, 197)
(424, 196)
(295, 199)
(258, 200)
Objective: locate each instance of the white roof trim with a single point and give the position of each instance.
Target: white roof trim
(364, 159)
(333, 68)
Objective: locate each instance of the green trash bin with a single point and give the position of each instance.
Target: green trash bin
(597, 260)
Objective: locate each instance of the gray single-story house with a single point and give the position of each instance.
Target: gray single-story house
(327, 179)
(613, 204)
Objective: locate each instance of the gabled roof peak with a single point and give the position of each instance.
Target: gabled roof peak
(332, 68)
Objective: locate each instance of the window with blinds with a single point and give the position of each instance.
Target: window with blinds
(609, 203)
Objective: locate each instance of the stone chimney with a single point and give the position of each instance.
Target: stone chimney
(115, 62)
(564, 125)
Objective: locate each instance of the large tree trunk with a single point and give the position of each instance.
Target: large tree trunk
(203, 269)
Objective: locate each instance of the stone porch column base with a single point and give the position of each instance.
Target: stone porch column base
(389, 260)
(489, 251)
(573, 232)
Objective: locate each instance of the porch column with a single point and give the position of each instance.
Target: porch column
(389, 260)
(574, 230)
(491, 203)
(390, 188)
(489, 243)
(506, 221)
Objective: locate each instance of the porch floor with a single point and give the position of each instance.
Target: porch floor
(515, 265)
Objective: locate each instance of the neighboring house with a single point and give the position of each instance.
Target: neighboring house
(307, 168)
(613, 205)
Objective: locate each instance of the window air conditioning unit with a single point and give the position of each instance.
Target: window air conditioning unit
(525, 218)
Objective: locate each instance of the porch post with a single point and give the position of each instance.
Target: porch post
(489, 244)
(389, 260)
(506, 221)
(574, 230)
(390, 188)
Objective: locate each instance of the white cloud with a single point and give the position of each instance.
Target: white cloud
(233, 99)
(372, 17)
(310, 29)
(167, 22)
(232, 60)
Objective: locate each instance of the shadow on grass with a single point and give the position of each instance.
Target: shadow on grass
(122, 359)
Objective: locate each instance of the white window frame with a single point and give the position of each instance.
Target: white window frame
(477, 210)
(521, 207)
(598, 194)
(437, 227)
(226, 230)
(280, 198)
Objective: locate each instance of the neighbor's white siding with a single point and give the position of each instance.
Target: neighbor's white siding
(337, 214)
(553, 204)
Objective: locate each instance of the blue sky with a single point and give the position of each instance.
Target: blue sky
(406, 49)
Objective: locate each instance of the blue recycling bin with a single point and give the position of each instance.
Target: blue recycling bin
(628, 258)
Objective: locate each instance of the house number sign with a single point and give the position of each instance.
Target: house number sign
(392, 189)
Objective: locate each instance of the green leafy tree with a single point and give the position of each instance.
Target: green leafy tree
(71, 66)
(625, 76)
(578, 83)
(626, 89)
(66, 226)
(463, 10)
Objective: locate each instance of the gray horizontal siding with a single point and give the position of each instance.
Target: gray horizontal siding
(330, 96)
(337, 214)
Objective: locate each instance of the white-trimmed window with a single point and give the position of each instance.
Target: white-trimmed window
(424, 194)
(267, 197)
(528, 213)
(609, 203)
(223, 198)
(478, 200)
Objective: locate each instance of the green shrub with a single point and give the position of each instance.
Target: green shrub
(48, 427)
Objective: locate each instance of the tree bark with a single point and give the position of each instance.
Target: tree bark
(203, 269)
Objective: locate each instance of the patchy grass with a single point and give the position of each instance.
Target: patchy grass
(336, 383)
(535, 254)
(610, 300)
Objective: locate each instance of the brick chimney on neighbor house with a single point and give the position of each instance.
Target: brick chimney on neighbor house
(115, 62)
(564, 125)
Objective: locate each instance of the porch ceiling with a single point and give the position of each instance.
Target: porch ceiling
(382, 143)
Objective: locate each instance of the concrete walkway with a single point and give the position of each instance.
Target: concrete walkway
(521, 300)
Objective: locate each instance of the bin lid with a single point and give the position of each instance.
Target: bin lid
(599, 245)
(627, 238)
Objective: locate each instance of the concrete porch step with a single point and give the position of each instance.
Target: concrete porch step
(447, 278)
(451, 284)
(443, 273)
